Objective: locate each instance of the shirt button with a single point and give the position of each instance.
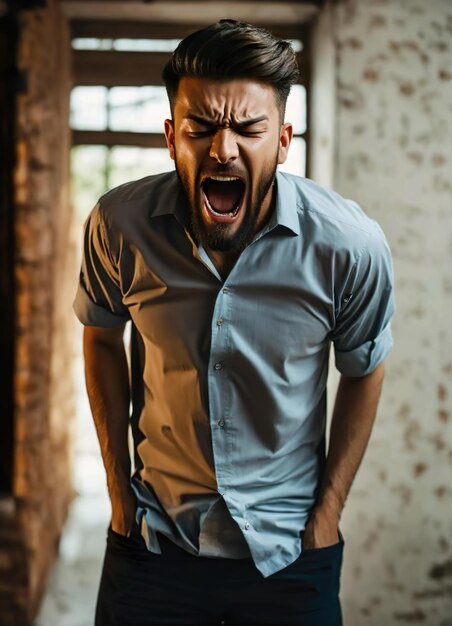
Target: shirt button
(226, 290)
(218, 365)
(221, 423)
(219, 322)
(247, 525)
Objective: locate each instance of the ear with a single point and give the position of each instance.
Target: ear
(284, 142)
(169, 135)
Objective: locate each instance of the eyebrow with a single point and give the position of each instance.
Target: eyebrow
(210, 124)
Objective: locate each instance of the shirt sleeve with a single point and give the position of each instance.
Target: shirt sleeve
(98, 300)
(362, 335)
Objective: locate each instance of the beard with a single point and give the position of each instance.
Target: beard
(218, 237)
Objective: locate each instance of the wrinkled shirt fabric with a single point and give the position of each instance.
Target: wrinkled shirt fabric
(229, 375)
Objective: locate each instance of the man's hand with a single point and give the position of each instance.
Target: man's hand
(321, 531)
(123, 511)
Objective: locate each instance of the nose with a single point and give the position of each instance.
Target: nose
(224, 146)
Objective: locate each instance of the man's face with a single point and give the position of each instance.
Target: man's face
(226, 138)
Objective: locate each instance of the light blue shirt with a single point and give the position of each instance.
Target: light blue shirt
(229, 376)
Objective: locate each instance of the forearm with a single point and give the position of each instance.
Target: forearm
(107, 384)
(353, 417)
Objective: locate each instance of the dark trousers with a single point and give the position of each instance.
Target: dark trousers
(138, 587)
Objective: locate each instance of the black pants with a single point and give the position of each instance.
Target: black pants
(139, 587)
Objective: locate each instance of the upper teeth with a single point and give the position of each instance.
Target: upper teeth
(224, 178)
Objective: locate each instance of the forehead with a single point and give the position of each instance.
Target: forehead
(238, 98)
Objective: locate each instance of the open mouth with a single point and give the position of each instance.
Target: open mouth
(223, 196)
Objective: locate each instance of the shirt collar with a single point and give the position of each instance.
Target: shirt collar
(171, 200)
(285, 213)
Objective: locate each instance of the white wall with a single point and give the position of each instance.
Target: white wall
(393, 154)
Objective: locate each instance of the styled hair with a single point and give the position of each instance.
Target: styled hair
(232, 49)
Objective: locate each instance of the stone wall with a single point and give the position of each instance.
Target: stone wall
(31, 520)
(394, 156)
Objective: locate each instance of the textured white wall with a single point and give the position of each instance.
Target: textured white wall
(393, 155)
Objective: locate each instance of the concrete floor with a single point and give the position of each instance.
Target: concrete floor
(71, 595)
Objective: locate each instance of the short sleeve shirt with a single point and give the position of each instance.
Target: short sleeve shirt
(229, 375)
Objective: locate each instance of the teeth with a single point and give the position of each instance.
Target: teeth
(231, 213)
(224, 178)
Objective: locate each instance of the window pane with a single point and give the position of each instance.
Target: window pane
(125, 45)
(296, 109)
(88, 177)
(296, 160)
(297, 44)
(129, 163)
(145, 45)
(138, 109)
(89, 108)
(90, 43)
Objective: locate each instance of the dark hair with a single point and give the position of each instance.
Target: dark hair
(232, 49)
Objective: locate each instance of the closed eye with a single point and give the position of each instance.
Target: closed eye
(238, 131)
(250, 133)
(202, 133)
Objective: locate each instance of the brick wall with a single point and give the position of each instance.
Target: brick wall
(31, 519)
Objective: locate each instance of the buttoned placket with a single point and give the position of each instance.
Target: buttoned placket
(219, 400)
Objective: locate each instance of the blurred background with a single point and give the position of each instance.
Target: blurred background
(82, 108)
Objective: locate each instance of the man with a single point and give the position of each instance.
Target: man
(237, 278)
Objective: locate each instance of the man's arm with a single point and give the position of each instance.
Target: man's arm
(107, 384)
(353, 417)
